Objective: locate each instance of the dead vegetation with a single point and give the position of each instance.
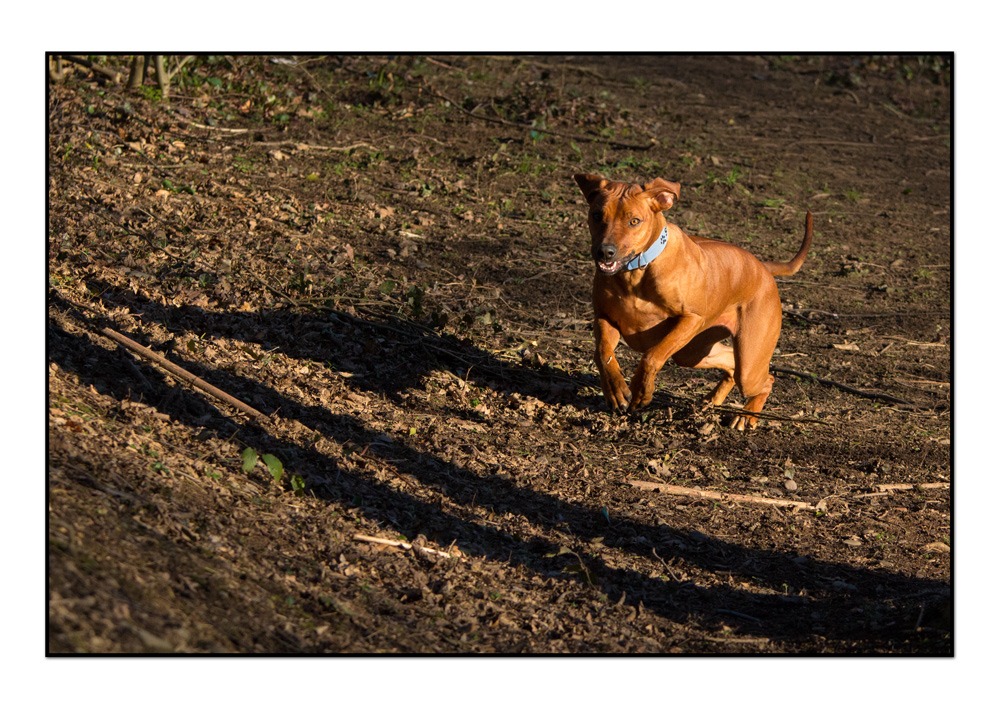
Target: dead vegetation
(386, 260)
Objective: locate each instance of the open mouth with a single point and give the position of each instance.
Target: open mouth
(610, 268)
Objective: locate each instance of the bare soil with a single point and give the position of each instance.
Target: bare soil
(388, 258)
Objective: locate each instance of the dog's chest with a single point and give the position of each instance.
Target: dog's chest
(641, 322)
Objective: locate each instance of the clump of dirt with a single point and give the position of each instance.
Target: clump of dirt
(388, 259)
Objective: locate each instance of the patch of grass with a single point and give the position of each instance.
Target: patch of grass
(733, 177)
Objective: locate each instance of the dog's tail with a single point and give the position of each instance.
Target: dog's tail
(793, 265)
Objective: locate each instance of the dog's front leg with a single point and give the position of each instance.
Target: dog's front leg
(644, 378)
(612, 381)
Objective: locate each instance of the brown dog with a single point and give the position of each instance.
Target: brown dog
(673, 295)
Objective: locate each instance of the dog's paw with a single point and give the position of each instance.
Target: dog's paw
(619, 403)
(617, 394)
(642, 393)
(619, 408)
(742, 423)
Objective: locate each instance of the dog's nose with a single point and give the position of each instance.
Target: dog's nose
(608, 252)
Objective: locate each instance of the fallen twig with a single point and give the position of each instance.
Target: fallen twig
(841, 386)
(444, 65)
(732, 410)
(294, 143)
(915, 313)
(740, 614)
(216, 127)
(730, 639)
(398, 543)
(110, 74)
(176, 370)
(717, 495)
(910, 487)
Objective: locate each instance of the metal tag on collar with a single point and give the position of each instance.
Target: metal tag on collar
(647, 256)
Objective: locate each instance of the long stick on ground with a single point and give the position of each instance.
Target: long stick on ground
(910, 487)
(185, 376)
(398, 543)
(835, 384)
(718, 496)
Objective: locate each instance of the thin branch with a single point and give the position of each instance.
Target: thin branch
(308, 146)
(397, 543)
(910, 487)
(673, 490)
(718, 496)
(444, 65)
(216, 127)
(732, 410)
(180, 65)
(179, 372)
(841, 386)
(97, 69)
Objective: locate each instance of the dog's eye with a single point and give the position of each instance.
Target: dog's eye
(635, 222)
(596, 216)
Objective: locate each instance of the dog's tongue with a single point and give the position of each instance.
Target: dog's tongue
(610, 267)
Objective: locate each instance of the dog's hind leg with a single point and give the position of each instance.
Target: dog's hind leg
(752, 349)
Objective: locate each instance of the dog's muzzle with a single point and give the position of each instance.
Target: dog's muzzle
(606, 257)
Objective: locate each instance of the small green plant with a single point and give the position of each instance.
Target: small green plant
(250, 457)
(576, 568)
(273, 465)
(169, 186)
(640, 84)
(540, 124)
(415, 298)
(151, 93)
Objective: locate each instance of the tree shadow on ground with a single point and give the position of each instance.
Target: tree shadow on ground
(796, 594)
(369, 349)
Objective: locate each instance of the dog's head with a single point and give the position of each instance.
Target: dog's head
(624, 218)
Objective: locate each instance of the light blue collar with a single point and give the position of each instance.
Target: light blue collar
(647, 256)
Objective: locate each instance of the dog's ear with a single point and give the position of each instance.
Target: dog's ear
(662, 193)
(590, 184)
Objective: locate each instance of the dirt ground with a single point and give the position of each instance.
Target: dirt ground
(387, 257)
